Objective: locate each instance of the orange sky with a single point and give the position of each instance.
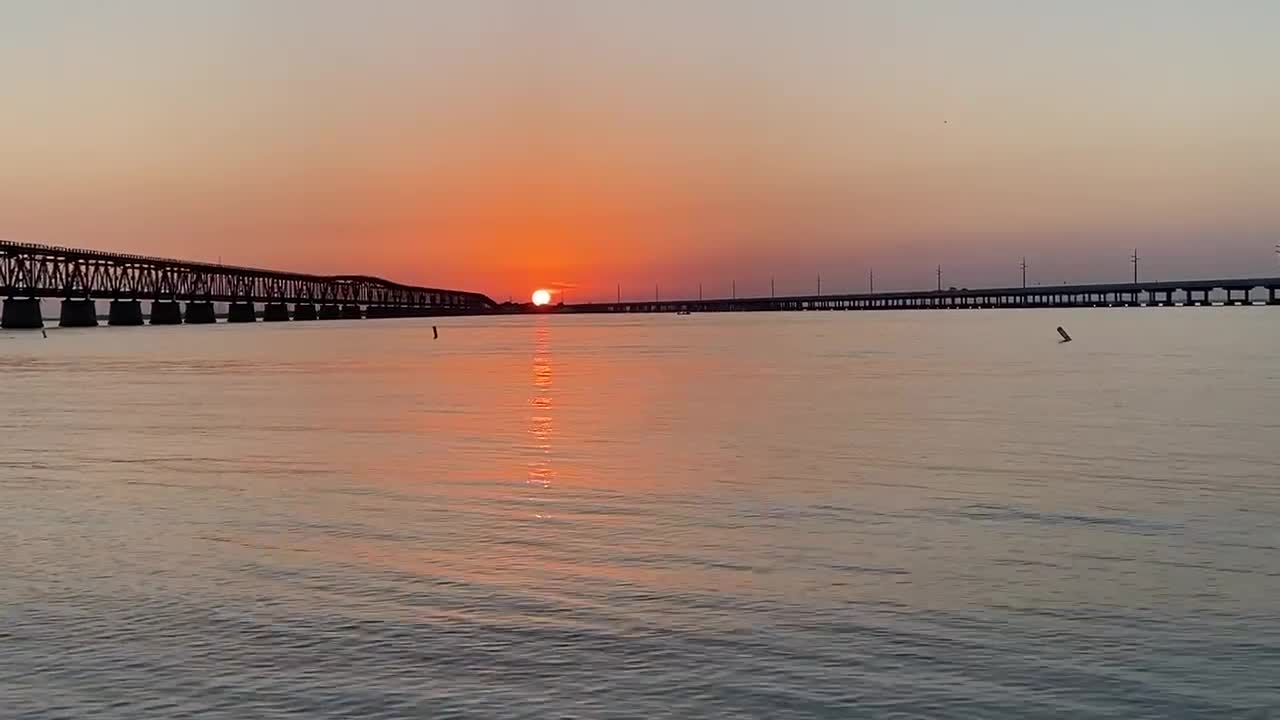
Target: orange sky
(502, 146)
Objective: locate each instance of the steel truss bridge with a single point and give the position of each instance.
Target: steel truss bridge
(30, 271)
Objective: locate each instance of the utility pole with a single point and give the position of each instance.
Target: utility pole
(1024, 271)
(939, 278)
(655, 292)
(1134, 259)
(699, 291)
(735, 289)
(619, 293)
(819, 284)
(773, 294)
(871, 280)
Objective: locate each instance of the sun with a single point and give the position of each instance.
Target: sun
(541, 297)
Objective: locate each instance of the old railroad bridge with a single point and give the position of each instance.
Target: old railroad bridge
(186, 291)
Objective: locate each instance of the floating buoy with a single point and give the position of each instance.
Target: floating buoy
(1063, 333)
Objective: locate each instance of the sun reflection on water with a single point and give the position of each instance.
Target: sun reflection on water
(540, 423)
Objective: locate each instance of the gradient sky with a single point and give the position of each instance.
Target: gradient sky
(502, 146)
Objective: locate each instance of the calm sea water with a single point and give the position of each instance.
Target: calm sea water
(830, 515)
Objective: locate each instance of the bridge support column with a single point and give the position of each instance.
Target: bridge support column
(125, 313)
(166, 313)
(200, 313)
(351, 312)
(241, 312)
(21, 314)
(1271, 296)
(275, 312)
(78, 313)
(304, 311)
(1231, 299)
(330, 312)
(377, 312)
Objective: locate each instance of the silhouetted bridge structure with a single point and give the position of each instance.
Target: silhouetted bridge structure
(1237, 291)
(81, 277)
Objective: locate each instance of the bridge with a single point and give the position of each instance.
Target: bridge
(1236, 291)
(81, 277)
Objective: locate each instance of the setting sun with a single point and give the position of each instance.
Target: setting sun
(541, 297)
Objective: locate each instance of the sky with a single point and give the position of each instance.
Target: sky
(505, 146)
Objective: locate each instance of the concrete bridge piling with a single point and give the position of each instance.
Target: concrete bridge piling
(275, 312)
(200, 313)
(78, 313)
(241, 312)
(125, 313)
(21, 314)
(166, 312)
(304, 311)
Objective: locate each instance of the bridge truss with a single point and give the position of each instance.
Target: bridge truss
(41, 271)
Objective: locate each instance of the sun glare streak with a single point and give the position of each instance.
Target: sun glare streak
(540, 421)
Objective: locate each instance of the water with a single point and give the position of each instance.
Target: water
(838, 515)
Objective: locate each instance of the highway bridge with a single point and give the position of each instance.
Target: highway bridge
(180, 290)
(1230, 291)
